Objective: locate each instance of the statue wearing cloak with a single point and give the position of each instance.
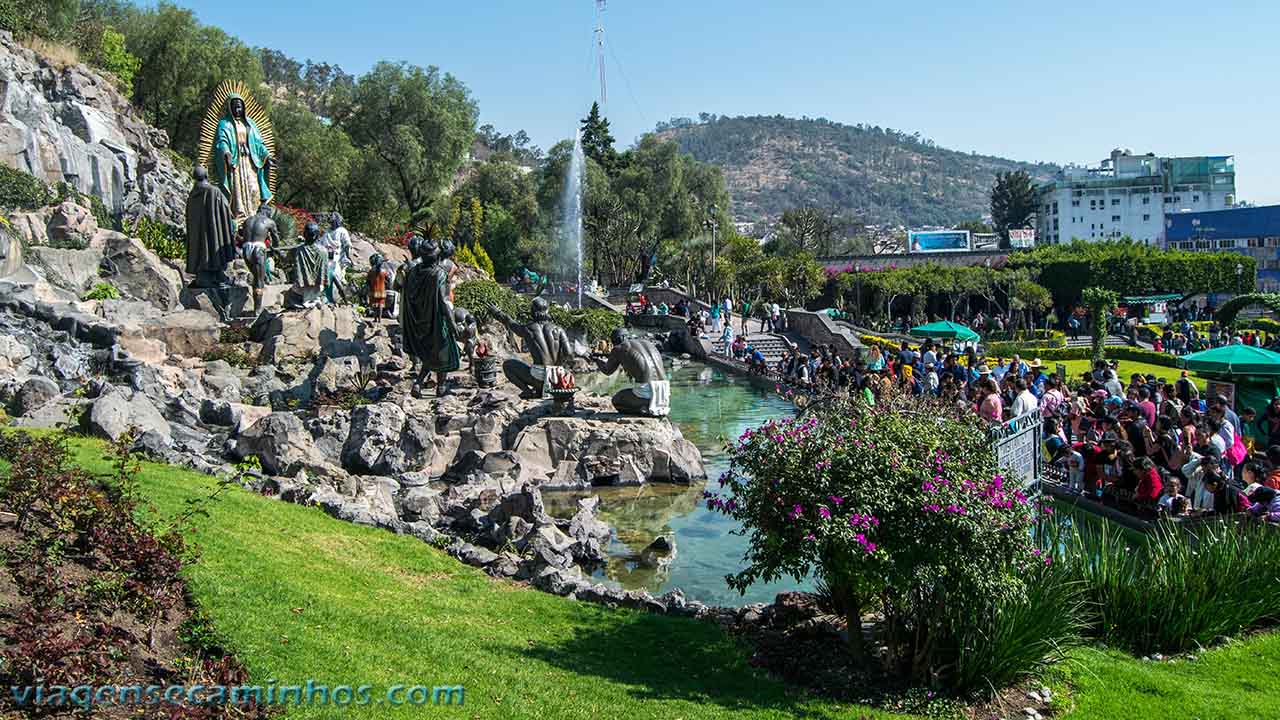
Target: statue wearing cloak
(241, 159)
(427, 318)
(211, 243)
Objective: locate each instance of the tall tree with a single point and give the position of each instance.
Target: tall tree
(316, 158)
(183, 62)
(419, 123)
(1013, 202)
(597, 141)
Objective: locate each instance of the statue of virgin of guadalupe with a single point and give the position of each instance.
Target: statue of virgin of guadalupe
(242, 159)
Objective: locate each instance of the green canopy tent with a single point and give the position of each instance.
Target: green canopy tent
(945, 329)
(1234, 360)
(1253, 372)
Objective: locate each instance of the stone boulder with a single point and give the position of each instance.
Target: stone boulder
(184, 332)
(72, 225)
(341, 374)
(283, 445)
(117, 410)
(141, 274)
(575, 452)
(35, 393)
(383, 440)
(73, 270)
(15, 356)
(591, 536)
(321, 331)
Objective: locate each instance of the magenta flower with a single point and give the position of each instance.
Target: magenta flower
(824, 513)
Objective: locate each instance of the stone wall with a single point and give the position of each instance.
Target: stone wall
(820, 329)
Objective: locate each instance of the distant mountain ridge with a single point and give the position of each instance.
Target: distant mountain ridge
(885, 176)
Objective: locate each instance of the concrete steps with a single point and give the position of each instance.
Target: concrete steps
(1087, 341)
(773, 347)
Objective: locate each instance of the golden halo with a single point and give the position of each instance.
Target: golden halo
(252, 110)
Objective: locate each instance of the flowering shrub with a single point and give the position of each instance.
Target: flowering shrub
(901, 506)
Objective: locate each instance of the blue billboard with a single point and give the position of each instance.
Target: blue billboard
(924, 241)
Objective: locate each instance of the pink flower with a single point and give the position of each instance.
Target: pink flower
(824, 513)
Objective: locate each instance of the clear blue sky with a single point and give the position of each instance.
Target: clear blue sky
(1064, 82)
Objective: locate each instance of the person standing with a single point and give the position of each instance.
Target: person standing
(746, 314)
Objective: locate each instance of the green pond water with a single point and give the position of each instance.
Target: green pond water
(711, 409)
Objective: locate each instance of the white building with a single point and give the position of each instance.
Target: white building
(1129, 195)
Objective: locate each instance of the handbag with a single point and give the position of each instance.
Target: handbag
(1237, 452)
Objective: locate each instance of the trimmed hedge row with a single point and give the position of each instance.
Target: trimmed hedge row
(594, 324)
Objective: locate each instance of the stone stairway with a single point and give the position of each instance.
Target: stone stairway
(773, 347)
(1087, 341)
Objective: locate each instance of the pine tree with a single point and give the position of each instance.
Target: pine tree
(597, 141)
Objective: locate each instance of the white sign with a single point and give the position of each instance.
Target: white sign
(1022, 238)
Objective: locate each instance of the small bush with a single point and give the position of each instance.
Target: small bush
(232, 355)
(23, 191)
(593, 324)
(102, 291)
(477, 295)
(167, 241)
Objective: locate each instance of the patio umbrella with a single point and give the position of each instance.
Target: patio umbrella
(1233, 359)
(946, 329)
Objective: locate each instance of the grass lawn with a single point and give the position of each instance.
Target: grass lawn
(1236, 681)
(1127, 368)
(299, 596)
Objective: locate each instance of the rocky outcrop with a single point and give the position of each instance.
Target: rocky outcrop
(383, 440)
(73, 125)
(117, 411)
(282, 445)
(139, 273)
(321, 331)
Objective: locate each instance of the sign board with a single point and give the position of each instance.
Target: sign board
(1022, 238)
(928, 241)
(1217, 387)
(1018, 448)
(1062, 373)
(1158, 313)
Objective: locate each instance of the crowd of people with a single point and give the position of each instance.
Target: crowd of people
(1146, 445)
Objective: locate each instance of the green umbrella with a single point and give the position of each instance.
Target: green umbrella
(945, 329)
(1233, 359)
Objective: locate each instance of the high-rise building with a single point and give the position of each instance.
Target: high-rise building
(1129, 195)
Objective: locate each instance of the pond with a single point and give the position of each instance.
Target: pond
(711, 409)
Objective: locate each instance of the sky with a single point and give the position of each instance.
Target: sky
(1059, 82)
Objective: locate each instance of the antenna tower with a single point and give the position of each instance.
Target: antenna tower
(604, 95)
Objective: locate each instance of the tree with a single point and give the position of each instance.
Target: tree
(597, 141)
(810, 229)
(183, 62)
(1031, 298)
(1100, 302)
(419, 123)
(1013, 202)
(316, 158)
(502, 240)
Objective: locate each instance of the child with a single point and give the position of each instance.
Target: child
(377, 279)
(1172, 500)
(1069, 460)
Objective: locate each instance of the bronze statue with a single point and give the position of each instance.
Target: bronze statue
(211, 243)
(546, 341)
(426, 319)
(309, 264)
(260, 236)
(642, 362)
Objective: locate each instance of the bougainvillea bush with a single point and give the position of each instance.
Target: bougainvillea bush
(901, 508)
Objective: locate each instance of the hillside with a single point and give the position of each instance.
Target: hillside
(882, 175)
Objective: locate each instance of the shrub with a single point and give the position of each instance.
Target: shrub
(102, 291)
(901, 504)
(593, 324)
(112, 56)
(23, 191)
(290, 221)
(1176, 588)
(167, 241)
(477, 295)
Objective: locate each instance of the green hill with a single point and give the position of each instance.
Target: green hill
(882, 175)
